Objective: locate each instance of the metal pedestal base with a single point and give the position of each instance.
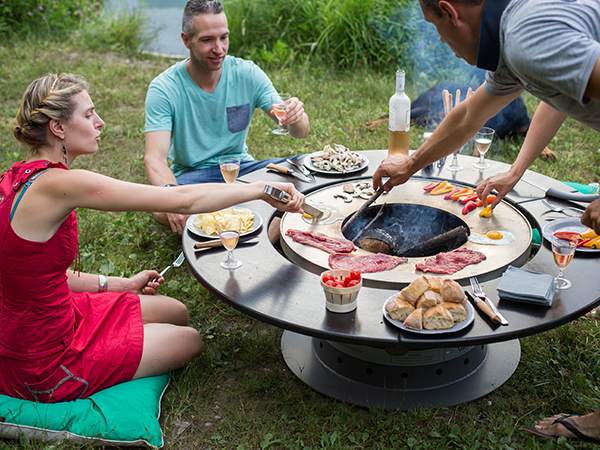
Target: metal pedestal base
(372, 377)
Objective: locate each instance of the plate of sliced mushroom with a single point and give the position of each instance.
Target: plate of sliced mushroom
(335, 160)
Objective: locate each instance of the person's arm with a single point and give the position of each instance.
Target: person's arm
(155, 158)
(141, 283)
(544, 125)
(456, 129)
(295, 119)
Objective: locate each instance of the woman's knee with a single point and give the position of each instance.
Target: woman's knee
(163, 309)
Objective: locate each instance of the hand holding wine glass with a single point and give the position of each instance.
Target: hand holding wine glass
(229, 228)
(230, 167)
(563, 251)
(279, 101)
(483, 140)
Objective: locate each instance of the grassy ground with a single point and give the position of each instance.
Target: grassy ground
(239, 393)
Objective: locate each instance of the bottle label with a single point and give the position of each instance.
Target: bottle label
(399, 123)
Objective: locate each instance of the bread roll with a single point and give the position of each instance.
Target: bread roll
(415, 320)
(414, 290)
(428, 299)
(399, 309)
(452, 291)
(457, 311)
(435, 284)
(437, 318)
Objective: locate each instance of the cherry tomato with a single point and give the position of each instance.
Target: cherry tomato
(353, 283)
(328, 277)
(355, 275)
(347, 280)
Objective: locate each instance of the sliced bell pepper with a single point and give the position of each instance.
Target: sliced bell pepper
(486, 212)
(449, 195)
(431, 186)
(589, 233)
(443, 188)
(490, 199)
(583, 241)
(567, 235)
(470, 206)
(468, 198)
(594, 243)
(461, 193)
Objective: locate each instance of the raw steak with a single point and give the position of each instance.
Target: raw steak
(322, 241)
(450, 262)
(365, 263)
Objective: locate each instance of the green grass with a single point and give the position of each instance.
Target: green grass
(239, 394)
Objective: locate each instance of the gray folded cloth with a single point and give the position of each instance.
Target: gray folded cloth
(525, 286)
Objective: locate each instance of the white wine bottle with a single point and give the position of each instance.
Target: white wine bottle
(399, 118)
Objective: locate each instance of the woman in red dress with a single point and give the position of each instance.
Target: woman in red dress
(66, 334)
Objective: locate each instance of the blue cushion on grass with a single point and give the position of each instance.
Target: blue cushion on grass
(123, 415)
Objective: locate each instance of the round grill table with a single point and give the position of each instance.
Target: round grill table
(360, 358)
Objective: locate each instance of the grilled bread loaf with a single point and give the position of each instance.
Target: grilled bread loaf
(429, 299)
(457, 310)
(399, 309)
(415, 289)
(452, 291)
(415, 320)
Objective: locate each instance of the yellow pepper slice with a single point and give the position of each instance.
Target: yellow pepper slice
(594, 243)
(589, 233)
(443, 188)
(486, 212)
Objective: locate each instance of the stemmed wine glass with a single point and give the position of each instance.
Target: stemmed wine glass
(563, 251)
(229, 231)
(454, 165)
(279, 101)
(230, 167)
(483, 140)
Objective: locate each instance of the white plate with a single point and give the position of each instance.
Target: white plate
(309, 164)
(189, 224)
(572, 224)
(456, 327)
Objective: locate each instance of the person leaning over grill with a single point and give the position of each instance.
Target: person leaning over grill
(200, 109)
(550, 48)
(66, 334)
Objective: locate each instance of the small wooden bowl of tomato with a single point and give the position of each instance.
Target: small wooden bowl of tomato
(341, 288)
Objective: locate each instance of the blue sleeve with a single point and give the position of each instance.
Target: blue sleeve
(159, 111)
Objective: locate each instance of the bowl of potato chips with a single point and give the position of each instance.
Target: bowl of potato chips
(205, 225)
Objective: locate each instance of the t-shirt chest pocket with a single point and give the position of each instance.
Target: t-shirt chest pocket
(238, 117)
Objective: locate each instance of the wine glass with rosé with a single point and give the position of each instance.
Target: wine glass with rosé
(230, 167)
(229, 228)
(279, 101)
(483, 140)
(563, 249)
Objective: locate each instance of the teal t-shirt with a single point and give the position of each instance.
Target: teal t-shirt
(205, 127)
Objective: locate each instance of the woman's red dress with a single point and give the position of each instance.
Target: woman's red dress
(57, 345)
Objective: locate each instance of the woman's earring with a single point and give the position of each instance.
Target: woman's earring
(65, 153)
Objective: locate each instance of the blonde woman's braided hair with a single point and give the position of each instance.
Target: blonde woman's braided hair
(49, 97)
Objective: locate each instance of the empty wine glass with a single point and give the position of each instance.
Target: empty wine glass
(483, 140)
(229, 231)
(230, 167)
(454, 165)
(279, 101)
(563, 251)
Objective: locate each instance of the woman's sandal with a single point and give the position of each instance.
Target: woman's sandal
(568, 425)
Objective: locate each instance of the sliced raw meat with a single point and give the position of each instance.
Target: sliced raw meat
(450, 262)
(365, 263)
(322, 241)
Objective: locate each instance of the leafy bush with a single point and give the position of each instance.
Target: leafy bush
(43, 17)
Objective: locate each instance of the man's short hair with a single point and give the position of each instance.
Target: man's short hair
(195, 7)
(434, 5)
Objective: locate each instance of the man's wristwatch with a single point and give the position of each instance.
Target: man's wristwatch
(102, 283)
(170, 185)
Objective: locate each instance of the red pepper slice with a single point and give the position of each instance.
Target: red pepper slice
(567, 235)
(580, 243)
(470, 206)
(449, 195)
(468, 198)
(431, 186)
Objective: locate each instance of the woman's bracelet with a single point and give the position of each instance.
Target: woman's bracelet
(102, 283)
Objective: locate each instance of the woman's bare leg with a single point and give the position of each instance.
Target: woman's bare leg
(168, 342)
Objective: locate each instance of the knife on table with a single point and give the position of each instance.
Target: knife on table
(484, 308)
(301, 168)
(217, 242)
(557, 193)
(288, 171)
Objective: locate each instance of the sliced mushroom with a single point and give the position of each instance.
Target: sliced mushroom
(349, 188)
(347, 197)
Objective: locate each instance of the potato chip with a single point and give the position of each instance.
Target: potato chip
(208, 222)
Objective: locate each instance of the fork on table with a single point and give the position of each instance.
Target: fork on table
(564, 209)
(478, 292)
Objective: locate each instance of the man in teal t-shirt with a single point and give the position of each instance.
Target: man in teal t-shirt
(200, 109)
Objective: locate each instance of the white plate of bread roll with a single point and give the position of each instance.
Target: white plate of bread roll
(430, 305)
